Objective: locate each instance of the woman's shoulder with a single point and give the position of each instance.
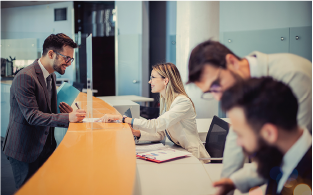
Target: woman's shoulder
(181, 98)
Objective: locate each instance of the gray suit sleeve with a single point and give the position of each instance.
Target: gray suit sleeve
(233, 157)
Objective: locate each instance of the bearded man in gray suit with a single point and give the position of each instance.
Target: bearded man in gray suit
(29, 140)
(214, 68)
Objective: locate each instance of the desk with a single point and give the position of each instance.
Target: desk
(133, 98)
(215, 170)
(122, 105)
(183, 176)
(100, 161)
(103, 161)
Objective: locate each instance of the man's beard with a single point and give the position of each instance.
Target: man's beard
(58, 68)
(267, 158)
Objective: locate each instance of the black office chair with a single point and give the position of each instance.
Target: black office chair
(149, 112)
(215, 140)
(78, 86)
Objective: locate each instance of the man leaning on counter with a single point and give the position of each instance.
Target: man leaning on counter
(29, 140)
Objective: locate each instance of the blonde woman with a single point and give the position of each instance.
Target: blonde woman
(177, 118)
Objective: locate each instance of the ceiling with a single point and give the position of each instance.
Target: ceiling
(20, 3)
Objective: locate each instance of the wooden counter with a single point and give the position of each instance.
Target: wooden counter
(98, 161)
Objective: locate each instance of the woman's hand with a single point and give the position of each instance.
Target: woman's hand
(107, 118)
(135, 132)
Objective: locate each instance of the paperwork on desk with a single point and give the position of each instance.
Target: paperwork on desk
(90, 120)
(150, 147)
(163, 155)
(66, 93)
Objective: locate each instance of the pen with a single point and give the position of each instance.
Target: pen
(77, 105)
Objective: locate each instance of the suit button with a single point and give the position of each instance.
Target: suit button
(46, 133)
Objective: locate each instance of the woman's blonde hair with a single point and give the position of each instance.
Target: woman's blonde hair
(174, 86)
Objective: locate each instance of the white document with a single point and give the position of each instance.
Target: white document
(90, 120)
(163, 155)
(149, 147)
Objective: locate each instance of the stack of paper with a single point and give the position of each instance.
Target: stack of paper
(163, 155)
(150, 147)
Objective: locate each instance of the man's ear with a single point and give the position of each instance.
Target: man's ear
(269, 133)
(232, 62)
(50, 54)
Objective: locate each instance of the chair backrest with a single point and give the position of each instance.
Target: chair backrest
(78, 86)
(216, 138)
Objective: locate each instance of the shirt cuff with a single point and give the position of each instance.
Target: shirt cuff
(132, 123)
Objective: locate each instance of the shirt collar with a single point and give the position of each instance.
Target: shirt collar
(258, 63)
(294, 155)
(253, 64)
(44, 70)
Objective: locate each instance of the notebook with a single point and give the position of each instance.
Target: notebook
(163, 155)
(66, 93)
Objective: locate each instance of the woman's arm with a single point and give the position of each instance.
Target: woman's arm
(144, 136)
(180, 109)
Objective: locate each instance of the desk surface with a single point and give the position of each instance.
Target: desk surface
(133, 98)
(183, 176)
(9, 82)
(103, 161)
(99, 161)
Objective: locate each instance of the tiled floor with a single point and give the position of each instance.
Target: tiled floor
(7, 179)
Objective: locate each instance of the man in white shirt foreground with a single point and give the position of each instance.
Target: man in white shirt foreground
(214, 68)
(263, 114)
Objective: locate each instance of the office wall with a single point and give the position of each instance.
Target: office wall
(196, 22)
(171, 12)
(260, 15)
(37, 22)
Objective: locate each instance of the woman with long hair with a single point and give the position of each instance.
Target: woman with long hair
(177, 118)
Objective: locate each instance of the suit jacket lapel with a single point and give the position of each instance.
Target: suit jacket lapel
(42, 82)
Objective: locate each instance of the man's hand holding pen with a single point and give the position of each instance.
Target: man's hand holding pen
(77, 115)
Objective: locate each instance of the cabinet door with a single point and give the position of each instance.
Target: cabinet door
(267, 41)
(301, 41)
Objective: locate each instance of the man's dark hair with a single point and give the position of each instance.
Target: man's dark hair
(208, 52)
(56, 42)
(263, 100)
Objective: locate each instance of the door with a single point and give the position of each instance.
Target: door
(128, 64)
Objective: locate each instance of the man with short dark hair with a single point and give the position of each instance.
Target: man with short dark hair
(29, 140)
(263, 113)
(214, 68)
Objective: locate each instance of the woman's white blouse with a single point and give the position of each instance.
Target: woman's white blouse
(180, 123)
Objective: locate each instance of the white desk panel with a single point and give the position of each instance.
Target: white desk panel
(214, 171)
(172, 178)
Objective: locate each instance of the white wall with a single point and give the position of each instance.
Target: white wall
(260, 15)
(37, 22)
(196, 22)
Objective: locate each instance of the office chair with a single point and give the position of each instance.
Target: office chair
(215, 140)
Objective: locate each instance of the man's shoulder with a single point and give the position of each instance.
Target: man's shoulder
(28, 72)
